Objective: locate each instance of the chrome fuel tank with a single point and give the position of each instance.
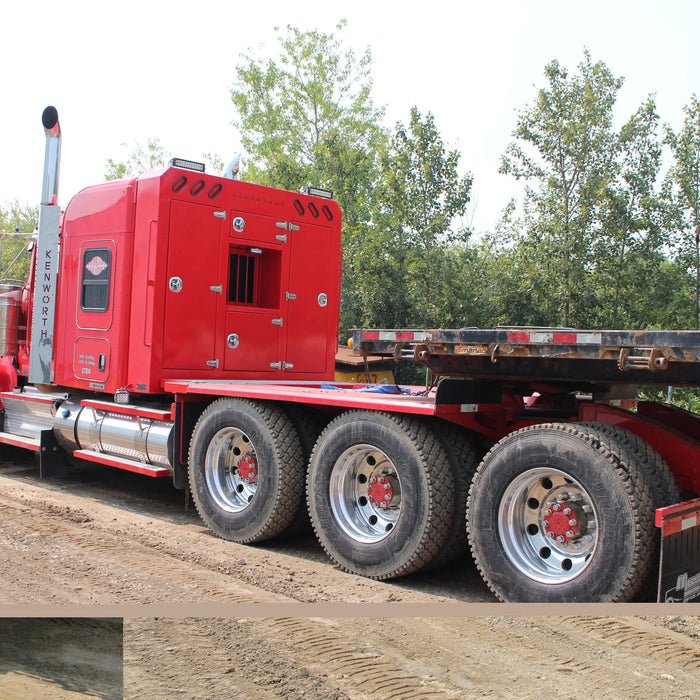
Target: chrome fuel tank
(110, 432)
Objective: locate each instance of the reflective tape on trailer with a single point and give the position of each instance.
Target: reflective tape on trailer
(396, 336)
(679, 571)
(564, 338)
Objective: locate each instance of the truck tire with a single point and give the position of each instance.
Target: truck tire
(663, 486)
(246, 470)
(309, 424)
(525, 543)
(363, 456)
(463, 460)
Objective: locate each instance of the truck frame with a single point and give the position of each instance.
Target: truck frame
(184, 326)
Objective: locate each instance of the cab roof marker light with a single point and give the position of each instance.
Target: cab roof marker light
(318, 192)
(187, 164)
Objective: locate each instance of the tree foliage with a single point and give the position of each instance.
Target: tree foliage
(411, 261)
(564, 142)
(594, 244)
(683, 190)
(16, 218)
(141, 159)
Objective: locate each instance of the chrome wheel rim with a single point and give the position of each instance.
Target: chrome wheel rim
(365, 494)
(231, 470)
(547, 524)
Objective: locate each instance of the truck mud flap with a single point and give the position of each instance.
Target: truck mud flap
(679, 571)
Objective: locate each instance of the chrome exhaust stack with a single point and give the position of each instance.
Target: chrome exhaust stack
(52, 157)
(46, 261)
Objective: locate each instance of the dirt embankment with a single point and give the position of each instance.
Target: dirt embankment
(60, 658)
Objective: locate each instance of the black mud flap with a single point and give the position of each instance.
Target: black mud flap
(679, 571)
(52, 458)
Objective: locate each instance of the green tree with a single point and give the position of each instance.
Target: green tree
(307, 118)
(565, 143)
(627, 260)
(15, 219)
(418, 202)
(141, 159)
(683, 192)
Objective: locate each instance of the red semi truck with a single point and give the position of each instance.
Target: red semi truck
(183, 325)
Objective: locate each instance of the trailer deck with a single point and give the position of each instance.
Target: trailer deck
(544, 354)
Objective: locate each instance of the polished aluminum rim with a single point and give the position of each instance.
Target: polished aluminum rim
(365, 493)
(547, 525)
(231, 469)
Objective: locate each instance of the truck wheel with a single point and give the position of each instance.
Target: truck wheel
(246, 470)
(556, 514)
(380, 493)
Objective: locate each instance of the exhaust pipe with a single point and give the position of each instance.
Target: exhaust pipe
(46, 258)
(52, 157)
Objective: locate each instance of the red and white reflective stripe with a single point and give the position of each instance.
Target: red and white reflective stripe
(679, 517)
(395, 336)
(563, 337)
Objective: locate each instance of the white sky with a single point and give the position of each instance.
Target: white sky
(130, 70)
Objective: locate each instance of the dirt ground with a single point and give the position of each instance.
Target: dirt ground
(60, 658)
(205, 618)
(412, 658)
(104, 536)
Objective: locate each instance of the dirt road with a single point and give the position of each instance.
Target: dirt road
(416, 659)
(103, 536)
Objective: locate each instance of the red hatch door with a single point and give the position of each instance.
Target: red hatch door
(309, 294)
(194, 289)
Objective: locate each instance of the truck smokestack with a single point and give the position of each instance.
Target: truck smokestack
(46, 260)
(49, 192)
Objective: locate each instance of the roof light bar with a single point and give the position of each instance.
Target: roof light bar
(187, 164)
(318, 192)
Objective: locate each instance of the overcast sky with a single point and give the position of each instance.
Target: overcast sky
(130, 70)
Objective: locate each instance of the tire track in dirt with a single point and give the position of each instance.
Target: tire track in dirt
(368, 672)
(400, 659)
(146, 575)
(643, 638)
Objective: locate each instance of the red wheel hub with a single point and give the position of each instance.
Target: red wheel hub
(380, 492)
(564, 522)
(247, 469)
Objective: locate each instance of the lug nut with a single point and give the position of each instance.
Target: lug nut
(567, 511)
(569, 533)
(573, 522)
(556, 507)
(547, 512)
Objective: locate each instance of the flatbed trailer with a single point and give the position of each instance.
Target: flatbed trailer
(181, 325)
(507, 379)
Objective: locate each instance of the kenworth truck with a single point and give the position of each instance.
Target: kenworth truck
(184, 326)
